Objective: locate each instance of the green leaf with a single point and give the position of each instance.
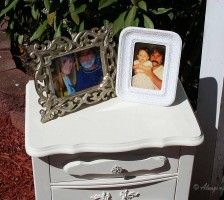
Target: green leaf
(130, 17)
(119, 22)
(148, 22)
(171, 15)
(39, 31)
(55, 23)
(73, 12)
(58, 32)
(66, 14)
(71, 8)
(105, 22)
(47, 5)
(35, 12)
(11, 25)
(20, 39)
(105, 3)
(15, 36)
(72, 1)
(81, 9)
(136, 22)
(160, 11)
(135, 2)
(75, 17)
(81, 26)
(9, 7)
(50, 18)
(142, 5)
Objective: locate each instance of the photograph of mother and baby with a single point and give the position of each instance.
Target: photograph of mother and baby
(76, 72)
(148, 66)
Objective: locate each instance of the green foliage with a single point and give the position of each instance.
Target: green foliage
(9, 7)
(31, 20)
(148, 22)
(39, 31)
(39, 20)
(130, 17)
(105, 3)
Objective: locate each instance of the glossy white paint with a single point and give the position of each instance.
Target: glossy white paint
(113, 167)
(111, 126)
(143, 140)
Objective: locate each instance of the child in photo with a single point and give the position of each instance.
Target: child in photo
(65, 77)
(143, 63)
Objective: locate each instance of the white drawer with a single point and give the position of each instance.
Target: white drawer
(103, 166)
(153, 191)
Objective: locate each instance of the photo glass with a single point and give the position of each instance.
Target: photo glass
(75, 72)
(148, 66)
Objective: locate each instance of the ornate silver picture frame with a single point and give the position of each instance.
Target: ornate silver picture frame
(73, 72)
(148, 65)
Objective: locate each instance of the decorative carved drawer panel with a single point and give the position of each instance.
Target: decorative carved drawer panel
(153, 191)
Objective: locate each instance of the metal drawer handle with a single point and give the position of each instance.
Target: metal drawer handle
(116, 170)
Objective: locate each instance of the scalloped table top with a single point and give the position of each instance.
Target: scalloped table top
(110, 126)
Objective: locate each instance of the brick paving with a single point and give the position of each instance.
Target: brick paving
(13, 81)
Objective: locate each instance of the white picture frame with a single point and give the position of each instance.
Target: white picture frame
(130, 41)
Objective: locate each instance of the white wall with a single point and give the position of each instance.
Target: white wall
(206, 171)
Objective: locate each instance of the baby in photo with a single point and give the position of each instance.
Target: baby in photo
(140, 79)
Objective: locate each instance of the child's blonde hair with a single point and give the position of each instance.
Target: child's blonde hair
(58, 78)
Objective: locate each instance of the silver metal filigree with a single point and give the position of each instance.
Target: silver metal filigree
(43, 54)
(103, 196)
(116, 170)
(126, 195)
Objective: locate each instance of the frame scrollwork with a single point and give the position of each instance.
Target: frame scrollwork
(44, 54)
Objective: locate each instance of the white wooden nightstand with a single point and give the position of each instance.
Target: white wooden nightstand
(113, 150)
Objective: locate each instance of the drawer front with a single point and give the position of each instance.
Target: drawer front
(104, 166)
(160, 190)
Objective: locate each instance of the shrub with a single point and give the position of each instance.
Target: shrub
(31, 20)
(38, 20)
